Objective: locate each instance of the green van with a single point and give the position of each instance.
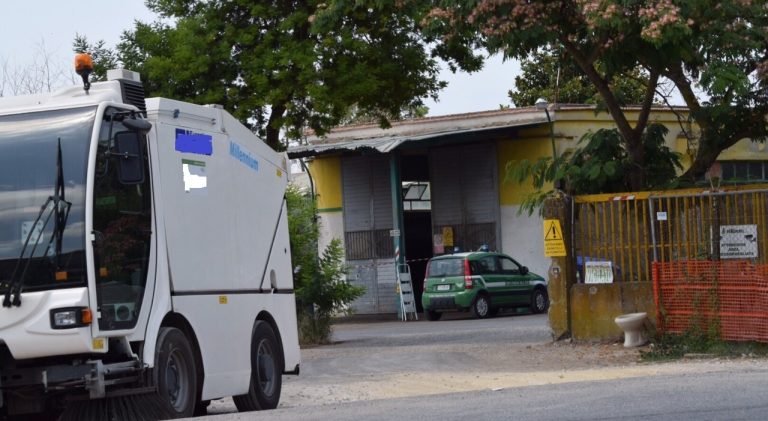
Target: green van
(483, 282)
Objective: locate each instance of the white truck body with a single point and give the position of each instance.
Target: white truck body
(228, 257)
(217, 260)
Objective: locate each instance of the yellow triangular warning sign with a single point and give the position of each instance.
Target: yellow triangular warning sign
(554, 246)
(552, 231)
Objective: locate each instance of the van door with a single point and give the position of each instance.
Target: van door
(518, 285)
(495, 281)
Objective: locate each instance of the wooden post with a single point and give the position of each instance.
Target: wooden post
(561, 273)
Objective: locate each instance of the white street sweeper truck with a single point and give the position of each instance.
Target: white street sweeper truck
(144, 256)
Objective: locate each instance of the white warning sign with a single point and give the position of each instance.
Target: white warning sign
(598, 273)
(738, 241)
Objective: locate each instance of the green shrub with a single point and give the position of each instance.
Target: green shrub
(698, 342)
(321, 290)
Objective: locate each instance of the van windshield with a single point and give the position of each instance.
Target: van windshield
(441, 268)
(28, 177)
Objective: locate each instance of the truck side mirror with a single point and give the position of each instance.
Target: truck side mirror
(127, 151)
(524, 270)
(137, 124)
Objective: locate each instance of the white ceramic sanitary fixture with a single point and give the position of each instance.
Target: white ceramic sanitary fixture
(633, 325)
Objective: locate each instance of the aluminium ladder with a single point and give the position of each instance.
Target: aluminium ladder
(407, 297)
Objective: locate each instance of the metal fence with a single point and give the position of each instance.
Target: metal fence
(613, 228)
(705, 252)
(704, 226)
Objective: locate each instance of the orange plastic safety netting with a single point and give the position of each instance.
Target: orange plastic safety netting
(729, 297)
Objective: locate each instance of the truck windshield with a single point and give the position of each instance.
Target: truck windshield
(28, 157)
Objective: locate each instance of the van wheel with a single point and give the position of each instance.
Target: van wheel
(482, 306)
(175, 372)
(267, 368)
(539, 301)
(434, 316)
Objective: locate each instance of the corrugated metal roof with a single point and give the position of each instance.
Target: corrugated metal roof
(372, 137)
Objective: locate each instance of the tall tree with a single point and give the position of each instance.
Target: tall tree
(104, 58)
(718, 46)
(287, 65)
(550, 74)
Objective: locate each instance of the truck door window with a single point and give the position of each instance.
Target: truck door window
(122, 221)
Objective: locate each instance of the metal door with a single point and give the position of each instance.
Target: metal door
(367, 207)
(465, 200)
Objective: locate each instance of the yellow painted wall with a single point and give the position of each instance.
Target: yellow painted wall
(571, 125)
(326, 172)
(745, 150)
(595, 306)
(535, 146)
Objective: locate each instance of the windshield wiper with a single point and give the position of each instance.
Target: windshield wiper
(14, 283)
(61, 215)
(60, 212)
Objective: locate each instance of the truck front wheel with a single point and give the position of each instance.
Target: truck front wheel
(175, 373)
(266, 371)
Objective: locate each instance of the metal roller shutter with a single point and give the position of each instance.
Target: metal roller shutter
(367, 204)
(465, 196)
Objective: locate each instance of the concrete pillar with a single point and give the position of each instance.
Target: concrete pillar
(561, 273)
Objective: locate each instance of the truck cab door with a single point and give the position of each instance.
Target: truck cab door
(122, 229)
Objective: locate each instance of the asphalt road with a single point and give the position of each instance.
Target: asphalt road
(499, 369)
(741, 395)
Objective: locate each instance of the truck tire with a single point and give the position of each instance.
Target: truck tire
(175, 372)
(267, 366)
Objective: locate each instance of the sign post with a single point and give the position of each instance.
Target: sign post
(556, 212)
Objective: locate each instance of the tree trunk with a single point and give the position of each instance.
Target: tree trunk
(719, 133)
(632, 136)
(706, 155)
(273, 128)
(710, 147)
(636, 176)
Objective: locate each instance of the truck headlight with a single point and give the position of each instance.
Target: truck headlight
(70, 317)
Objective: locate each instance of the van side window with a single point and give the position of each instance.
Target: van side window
(487, 265)
(509, 266)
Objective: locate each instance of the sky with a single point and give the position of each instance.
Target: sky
(29, 27)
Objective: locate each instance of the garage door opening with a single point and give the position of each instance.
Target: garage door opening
(417, 219)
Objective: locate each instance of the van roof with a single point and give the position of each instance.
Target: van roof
(464, 255)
